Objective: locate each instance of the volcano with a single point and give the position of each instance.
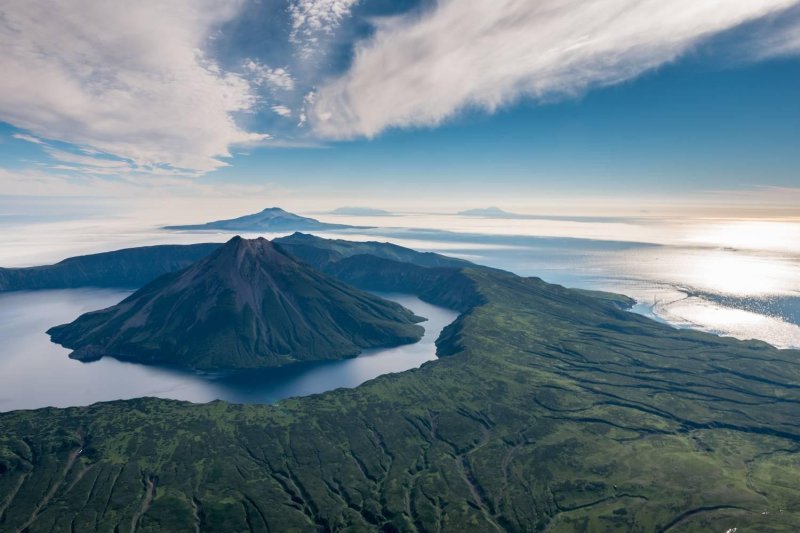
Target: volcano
(247, 305)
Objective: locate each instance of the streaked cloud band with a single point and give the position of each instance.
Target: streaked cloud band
(421, 69)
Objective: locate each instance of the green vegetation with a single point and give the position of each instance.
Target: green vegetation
(127, 268)
(132, 268)
(549, 409)
(318, 252)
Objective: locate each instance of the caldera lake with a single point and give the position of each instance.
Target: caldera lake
(35, 372)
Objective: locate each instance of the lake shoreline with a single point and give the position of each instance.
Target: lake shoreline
(39, 374)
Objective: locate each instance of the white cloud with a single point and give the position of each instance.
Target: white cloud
(785, 44)
(274, 78)
(315, 19)
(778, 36)
(88, 163)
(27, 138)
(763, 197)
(282, 110)
(128, 79)
(308, 102)
(77, 183)
(419, 70)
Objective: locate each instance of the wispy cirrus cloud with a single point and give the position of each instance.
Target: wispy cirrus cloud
(282, 110)
(129, 79)
(87, 163)
(421, 69)
(27, 138)
(760, 196)
(273, 78)
(73, 182)
(778, 36)
(312, 20)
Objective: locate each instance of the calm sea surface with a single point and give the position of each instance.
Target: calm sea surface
(37, 373)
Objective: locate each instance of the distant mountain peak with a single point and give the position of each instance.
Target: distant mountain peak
(239, 242)
(278, 211)
(269, 219)
(486, 212)
(259, 249)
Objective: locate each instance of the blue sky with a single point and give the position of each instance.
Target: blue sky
(401, 103)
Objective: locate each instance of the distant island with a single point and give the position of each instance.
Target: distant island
(247, 305)
(494, 212)
(272, 219)
(361, 212)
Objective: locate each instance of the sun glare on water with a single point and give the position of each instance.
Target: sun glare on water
(781, 236)
(701, 314)
(727, 272)
(743, 258)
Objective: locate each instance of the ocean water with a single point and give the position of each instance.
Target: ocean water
(731, 277)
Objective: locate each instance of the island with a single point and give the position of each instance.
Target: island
(488, 212)
(271, 219)
(247, 305)
(496, 212)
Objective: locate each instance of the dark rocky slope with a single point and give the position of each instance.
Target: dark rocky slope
(247, 305)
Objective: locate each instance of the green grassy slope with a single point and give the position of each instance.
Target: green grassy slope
(318, 252)
(128, 268)
(550, 409)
